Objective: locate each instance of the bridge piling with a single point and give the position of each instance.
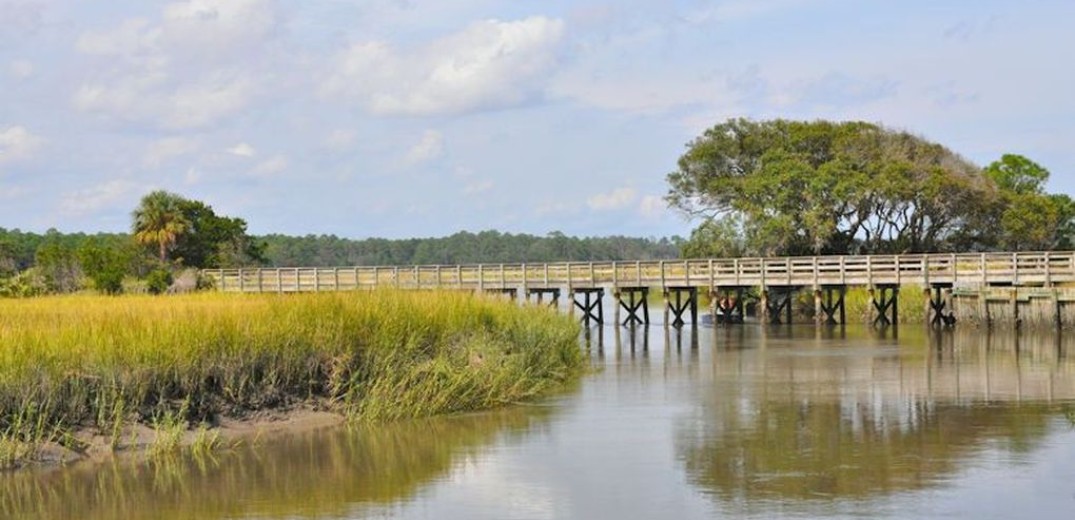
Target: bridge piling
(829, 305)
(777, 303)
(727, 305)
(591, 304)
(540, 292)
(635, 304)
(885, 301)
(680, 300)
(940, 295)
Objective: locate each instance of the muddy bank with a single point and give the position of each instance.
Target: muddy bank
(90, 445)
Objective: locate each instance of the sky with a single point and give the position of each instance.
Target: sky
(415, 118)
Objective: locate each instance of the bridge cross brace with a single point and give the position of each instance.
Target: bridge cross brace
(541, 292)
(778, 302)
(510, 292)
(727, 304)
(829, 300)
(634, 301)
(680, 300)
(885, 300)
(937, 305)
(590, 305)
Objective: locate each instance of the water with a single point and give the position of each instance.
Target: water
(740, 422)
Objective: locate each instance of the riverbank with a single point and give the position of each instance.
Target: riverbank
(177, 365)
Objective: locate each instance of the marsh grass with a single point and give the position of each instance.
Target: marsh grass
(68, 363)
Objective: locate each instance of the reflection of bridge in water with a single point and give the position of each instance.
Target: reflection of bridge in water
(863, 363)
(727, 283)
(823, 415)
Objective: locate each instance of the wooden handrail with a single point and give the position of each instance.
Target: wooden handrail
(1022, 268)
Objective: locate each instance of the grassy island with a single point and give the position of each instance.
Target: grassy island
(77, 364)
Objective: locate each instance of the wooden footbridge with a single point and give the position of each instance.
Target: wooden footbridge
(726, 280)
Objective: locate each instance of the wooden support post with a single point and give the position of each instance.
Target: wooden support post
(683, 299)
(939, 300)
(591, 305)
(819, 316)
(885, 300)
(635, 303)
(616, 295)
(829, 301)
(728, 305)
(778, 302)
(510, 292)
(540, 292)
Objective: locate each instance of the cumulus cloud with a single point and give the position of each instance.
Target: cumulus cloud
(96, 198)
(652, 206)
(475, 188)
(340, 139)
(618, 198)
(18, 144)
(490, 64)
(163, 150)
(429, 148)
(20, 69)
(210, 27)
(242, 150)
(189, 68)
(271, 166)
(19, 19)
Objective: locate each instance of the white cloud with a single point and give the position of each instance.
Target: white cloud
(242, 150)
(193, 176)
(475, 188)
(92, 200)
(490, 64)
(189, 68)
(618, 198)
(20, 69)
(133, 36)
(199, 104)
(340, 139)
(270, 166)
(739, 10)
(163, 150)
(17, 144)
(210, 26)
(20, 19)
(652, 206)
(429, 148)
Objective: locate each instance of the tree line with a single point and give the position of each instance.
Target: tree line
(779, 188)
(462, 248)
(170, 233)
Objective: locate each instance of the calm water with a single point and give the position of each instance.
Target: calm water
(726, 422)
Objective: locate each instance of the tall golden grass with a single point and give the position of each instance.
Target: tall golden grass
(68, 363)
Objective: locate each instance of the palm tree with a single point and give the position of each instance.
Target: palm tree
(159, 220)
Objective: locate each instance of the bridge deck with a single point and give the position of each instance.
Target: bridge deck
(956, 269)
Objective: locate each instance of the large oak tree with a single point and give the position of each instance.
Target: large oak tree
(819, 187)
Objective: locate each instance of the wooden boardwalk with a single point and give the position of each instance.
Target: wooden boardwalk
(948, 270)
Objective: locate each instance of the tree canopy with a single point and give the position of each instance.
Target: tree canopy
(158, 220)
(819, 187)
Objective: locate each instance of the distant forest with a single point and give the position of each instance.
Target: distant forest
(18, 249)
(461, 248)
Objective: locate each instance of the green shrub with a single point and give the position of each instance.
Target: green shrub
(158, 281)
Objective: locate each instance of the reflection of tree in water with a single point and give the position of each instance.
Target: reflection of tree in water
(327, 473)
(815, 450)
(851, 424)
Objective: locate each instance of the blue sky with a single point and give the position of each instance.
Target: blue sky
(401, 118)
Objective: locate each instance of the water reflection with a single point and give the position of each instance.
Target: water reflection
(673, 423)
(316, 474)
(838, 414)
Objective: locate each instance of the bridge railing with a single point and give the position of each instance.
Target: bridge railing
(1023, 268)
